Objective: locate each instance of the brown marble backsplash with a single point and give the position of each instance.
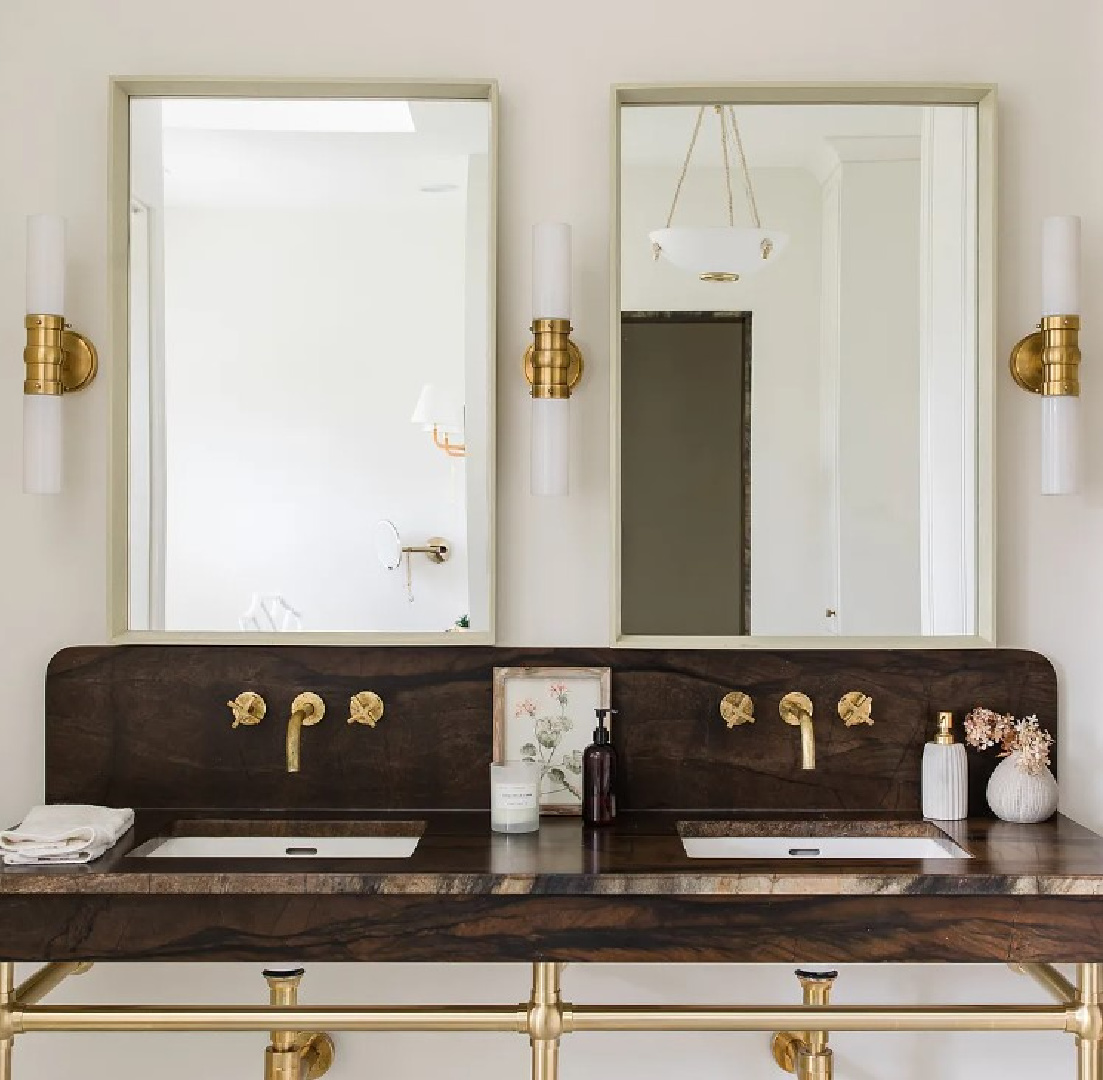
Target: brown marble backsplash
(147, 725)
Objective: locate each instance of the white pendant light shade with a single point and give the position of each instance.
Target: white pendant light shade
(42, 444)
(1060, 445)
(719, 253)
(550, 451)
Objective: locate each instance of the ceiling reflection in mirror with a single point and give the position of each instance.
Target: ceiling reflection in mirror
(798, 370)
(309, 294)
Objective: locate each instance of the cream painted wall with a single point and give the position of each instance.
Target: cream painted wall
(54, 130)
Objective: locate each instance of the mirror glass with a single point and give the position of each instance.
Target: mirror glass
(310, 353)
(798, 370)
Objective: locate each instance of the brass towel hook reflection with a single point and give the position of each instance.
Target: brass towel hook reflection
(365, 708)
(856, 708)
(737, 708)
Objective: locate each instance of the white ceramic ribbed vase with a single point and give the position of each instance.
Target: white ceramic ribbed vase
(1015, 795)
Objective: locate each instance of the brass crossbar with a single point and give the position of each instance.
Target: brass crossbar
(545, 1018)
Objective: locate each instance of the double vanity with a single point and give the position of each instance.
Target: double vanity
(379, 848)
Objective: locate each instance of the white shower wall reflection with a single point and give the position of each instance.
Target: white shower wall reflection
(299, 271)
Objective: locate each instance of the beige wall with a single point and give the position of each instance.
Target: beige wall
(55, 58)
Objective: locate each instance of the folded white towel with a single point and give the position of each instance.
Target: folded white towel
(64, 833)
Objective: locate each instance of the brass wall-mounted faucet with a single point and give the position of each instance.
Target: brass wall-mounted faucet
(306, 711)
(248, 709)
(365, 708)
(796, 709)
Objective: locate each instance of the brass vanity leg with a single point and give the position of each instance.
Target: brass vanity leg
(545, 1021)
(806, 1053)
(1089, 1007)
(293, 1055)
(7, 997)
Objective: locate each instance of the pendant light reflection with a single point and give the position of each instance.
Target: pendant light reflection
(719, 253)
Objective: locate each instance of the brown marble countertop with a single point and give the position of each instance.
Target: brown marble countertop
(641, 855)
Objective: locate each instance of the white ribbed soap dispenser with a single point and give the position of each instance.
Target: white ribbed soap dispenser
(945, 774)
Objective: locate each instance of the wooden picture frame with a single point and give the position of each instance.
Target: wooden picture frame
(546, 714)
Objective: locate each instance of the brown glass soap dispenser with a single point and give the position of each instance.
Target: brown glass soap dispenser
(599, 775)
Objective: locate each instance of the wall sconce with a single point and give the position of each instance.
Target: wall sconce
(435, 412)
(553, 364)
(1047, 362)
(58, 360)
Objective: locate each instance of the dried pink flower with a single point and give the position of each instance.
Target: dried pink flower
(985, 728)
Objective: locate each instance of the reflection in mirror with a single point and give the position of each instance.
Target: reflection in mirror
(798, 370)
(309, 355)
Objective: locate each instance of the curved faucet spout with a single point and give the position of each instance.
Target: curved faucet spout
(306, 710)
(796, 709)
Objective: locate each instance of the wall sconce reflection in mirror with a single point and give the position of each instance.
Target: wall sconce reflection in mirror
(57, 359)
(392, 553)
(1047, 362)
(438, 413)
(553, 364)
(719, 253)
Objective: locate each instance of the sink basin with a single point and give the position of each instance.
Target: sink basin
(846, 840)
(271, 839)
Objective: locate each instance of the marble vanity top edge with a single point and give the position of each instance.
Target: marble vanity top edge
(642, 856)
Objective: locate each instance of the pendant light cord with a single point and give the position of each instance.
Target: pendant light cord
(725, 118)
(746, 169)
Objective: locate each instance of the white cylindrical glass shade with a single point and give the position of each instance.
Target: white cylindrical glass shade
(551, 271)
(42, 443)
(1060, 445)
(45, 265)
(551, 446)
(1061, 266)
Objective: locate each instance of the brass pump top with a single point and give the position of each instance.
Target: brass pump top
(945, 736)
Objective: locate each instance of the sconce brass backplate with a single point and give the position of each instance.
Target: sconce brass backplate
(737, 708)
(574, 372)
(80, 362)
(1026, 362)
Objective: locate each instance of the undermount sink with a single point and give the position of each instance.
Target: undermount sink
(236, 839)
(845, 840)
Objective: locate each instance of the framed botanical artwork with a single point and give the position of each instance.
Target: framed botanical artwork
(546, 715)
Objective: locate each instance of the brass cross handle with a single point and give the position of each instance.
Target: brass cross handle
(737, 708)
(856, 708)
(248, 709)
(365, 708)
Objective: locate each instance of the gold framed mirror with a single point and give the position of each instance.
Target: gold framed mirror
(303, 279)
(802, 365)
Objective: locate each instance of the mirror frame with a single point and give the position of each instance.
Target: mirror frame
(983, 97)
(122, 91)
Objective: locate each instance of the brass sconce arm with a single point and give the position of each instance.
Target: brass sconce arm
(553, 364)
(57, 359)
(1047, 362)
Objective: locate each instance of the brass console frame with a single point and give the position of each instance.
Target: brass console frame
(545, 1018)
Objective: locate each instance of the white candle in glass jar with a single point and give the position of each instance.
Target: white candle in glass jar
(515, 797)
